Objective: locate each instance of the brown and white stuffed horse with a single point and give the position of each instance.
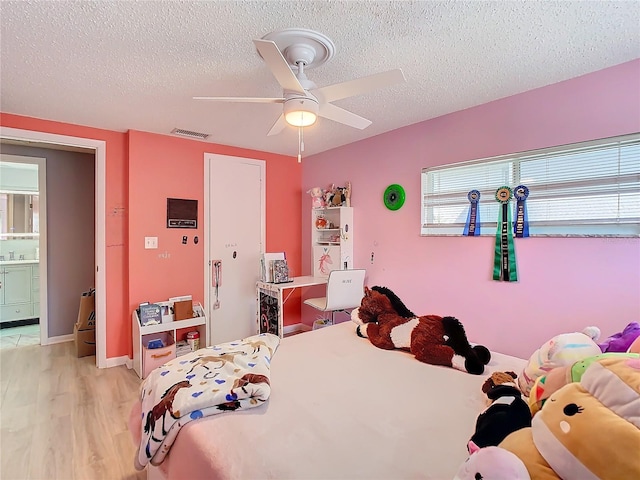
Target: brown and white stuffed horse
(430, 338)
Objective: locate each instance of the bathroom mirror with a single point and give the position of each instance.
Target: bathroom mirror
(19, 215)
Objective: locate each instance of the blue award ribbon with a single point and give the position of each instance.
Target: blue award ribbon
(504, 263)
(472, 227)
(521, 224)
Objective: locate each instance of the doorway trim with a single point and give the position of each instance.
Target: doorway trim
(100, 147)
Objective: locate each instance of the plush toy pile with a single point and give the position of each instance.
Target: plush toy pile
(332, 197)
(338, 196)
(587, 429)
(430, 338)
(585, 417)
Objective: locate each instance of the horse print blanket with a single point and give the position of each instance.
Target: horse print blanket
(212, 380)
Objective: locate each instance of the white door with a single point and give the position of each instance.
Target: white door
(235, 226)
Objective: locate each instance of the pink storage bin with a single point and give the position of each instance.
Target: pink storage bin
(154, 357)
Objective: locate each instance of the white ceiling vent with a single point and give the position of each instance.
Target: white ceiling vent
(190, 134)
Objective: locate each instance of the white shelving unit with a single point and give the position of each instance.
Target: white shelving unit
(141, 335)
(332, 244)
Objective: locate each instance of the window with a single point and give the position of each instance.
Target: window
(590, 188)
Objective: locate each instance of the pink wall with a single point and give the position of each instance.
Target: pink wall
(564, 284)
(142, 170)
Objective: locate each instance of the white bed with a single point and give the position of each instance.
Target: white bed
(340, 408)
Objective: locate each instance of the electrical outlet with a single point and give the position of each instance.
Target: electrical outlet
(150, 242)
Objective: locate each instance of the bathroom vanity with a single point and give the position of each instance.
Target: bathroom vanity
(19, 290)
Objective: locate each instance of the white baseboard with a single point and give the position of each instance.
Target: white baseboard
(117, 361)
(60, 339)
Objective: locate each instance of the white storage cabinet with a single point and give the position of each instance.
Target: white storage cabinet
(331, 244)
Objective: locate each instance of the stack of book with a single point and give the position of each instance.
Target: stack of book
(274, 267)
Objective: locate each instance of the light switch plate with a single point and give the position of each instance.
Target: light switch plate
(150, 242)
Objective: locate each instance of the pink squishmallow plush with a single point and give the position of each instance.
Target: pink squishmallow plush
(561, 350)
(491, 463)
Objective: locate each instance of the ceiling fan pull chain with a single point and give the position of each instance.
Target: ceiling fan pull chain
(299, 144)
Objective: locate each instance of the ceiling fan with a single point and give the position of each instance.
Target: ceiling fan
(295, 49)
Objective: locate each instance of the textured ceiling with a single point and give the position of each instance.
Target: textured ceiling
(135, 65)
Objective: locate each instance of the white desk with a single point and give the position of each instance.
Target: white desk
(271, 301)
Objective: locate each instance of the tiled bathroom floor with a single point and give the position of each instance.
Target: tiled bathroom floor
(19, 336)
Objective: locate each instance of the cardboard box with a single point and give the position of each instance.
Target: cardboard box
(85, 341)
(86, 312)
(84, 331)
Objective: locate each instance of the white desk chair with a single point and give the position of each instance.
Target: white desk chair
(345, 289)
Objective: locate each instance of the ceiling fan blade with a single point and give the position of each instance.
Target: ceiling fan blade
(337, 114)
(359, 86)
(242, 99)
(278, 126)
(278, 66)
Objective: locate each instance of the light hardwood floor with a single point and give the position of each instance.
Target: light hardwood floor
(63, 418)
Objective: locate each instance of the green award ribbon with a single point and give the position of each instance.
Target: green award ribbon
(504, 263)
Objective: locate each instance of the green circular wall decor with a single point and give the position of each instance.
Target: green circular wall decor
(394, 197)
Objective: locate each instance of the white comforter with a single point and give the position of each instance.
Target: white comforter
(341, 408)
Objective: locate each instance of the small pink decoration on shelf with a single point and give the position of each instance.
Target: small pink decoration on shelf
(317, 197)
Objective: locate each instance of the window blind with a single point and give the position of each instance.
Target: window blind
(591, 188)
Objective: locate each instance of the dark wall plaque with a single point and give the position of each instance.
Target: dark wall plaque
(182, 213)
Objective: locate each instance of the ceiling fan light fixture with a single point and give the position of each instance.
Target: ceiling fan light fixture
(301, 112)
(301, 118)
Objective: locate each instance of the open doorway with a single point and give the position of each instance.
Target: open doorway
(63, 142)
(22, 217)
(66, 233)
